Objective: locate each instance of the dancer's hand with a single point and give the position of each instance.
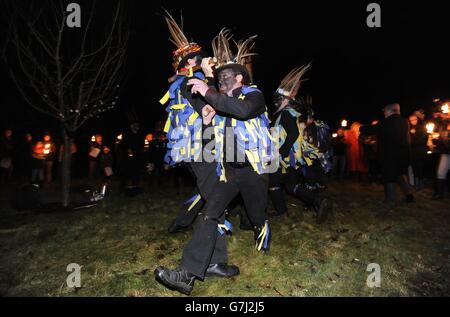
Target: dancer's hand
(208, 114)
(198, 86)
(207, 67)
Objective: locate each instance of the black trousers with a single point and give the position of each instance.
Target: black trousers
(418, 166)
(299, 183)
(207, 244)
(206, 179)
(278, 183)
(130, 171)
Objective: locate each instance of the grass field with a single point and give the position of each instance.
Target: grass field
(122, 240)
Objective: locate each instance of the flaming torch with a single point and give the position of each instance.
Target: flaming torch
(47, 149)
(344, 123)
(444, 108)
(431, 135)
(148, 139)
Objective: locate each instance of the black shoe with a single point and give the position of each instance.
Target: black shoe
(323, 209)
(439, 189)
(174, 228)
(178, 279)
(222, 270)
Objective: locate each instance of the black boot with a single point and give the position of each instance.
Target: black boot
(263, 237)
(418, 184)
(439, 189)
(175, 227)
(178, 279)
(222, 270)
(314, 197)
(390, 193)
(279, 202)
(323, 209)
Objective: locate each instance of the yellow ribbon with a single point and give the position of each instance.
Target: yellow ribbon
(164, 99)
(223, 227)
(167, 125)
(194, 202)
(262, 235)
(178, 106)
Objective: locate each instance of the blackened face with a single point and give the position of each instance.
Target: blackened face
(227, 80)
(277, 100)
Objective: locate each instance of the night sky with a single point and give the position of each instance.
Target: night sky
(356, 70)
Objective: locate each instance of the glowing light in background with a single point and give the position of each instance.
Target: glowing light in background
(47, 148)
(430, 127)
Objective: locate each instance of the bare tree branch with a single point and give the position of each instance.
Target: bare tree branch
(70, 84)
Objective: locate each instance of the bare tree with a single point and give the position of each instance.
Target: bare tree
(70, 74)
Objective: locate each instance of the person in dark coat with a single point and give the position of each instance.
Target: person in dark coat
(419, 149)
(155, 157)
(339, 158)
(132, 162)
(95, 149)
(106, 164)
(24, 157)
(394, 149)
(442, 144)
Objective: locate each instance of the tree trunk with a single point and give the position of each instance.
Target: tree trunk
(65, 170)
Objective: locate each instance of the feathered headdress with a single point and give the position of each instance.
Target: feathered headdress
(221, 48)
(290, 84)
(184, 47)
(225, 58)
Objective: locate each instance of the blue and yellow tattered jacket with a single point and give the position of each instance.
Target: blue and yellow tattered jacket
(183, 125)
(303, 151)
(184, 132)
(253, 137)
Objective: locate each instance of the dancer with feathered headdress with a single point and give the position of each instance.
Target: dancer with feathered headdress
(303, 157)
(184, 125)
(243, 152)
